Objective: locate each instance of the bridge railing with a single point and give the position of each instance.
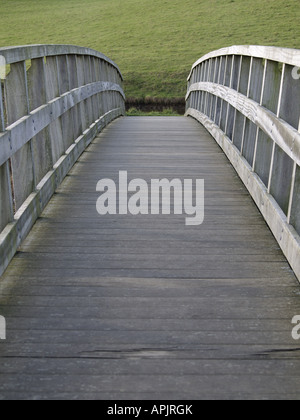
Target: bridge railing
(248, 98)
(54, 100)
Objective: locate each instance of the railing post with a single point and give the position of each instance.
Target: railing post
(278, 113)
(254, 92)
(98, 70)
(265, 64)
(6, 202)
(17, 103)
(52, 91)
(2, 119)
(41, 144)
(87, 78)
(81, 82)
(95, 104)
(237, 88)
(73, 84)
(67, 121)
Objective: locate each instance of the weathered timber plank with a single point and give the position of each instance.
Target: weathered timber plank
(17, 104)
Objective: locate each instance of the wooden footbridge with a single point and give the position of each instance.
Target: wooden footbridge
(144, 307)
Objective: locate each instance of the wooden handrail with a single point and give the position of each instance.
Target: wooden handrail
(54, 100)
(248, 97)
(30, 52)
(11, 140)
(281, 55)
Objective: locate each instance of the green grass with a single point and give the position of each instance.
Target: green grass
(153, 42)
(166, 112)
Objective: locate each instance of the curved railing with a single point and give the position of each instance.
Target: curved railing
(248, 98)
(54, 100)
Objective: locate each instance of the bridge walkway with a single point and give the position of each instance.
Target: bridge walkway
(145, 307)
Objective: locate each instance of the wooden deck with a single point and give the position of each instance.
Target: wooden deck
(144, 307)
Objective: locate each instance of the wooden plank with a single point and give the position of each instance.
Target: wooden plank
(52, 79)
(88, 80)
(281, 179)
(16, 93)
(74, 84)
(94, 78)
(81, 81)
(52, 91)
(41, 144)
(256, 82)
(125, 337)
(152, 395)
(295, 210)
(17, 106)
(67, 121)
(272, 86)
(238, 386)
(6, 202)
(127, 366)
(136, 288)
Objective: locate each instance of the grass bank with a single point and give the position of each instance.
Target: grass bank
(166, 112)
(154, 42)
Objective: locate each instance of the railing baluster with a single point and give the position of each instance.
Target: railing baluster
(237, 89)
(252, 109)
(81, 82)
(73, 84)
(17, 102)
(2, 118)
(6, 202)
(41, 144)
(48, 116)
(260, 102)
(52, 91)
